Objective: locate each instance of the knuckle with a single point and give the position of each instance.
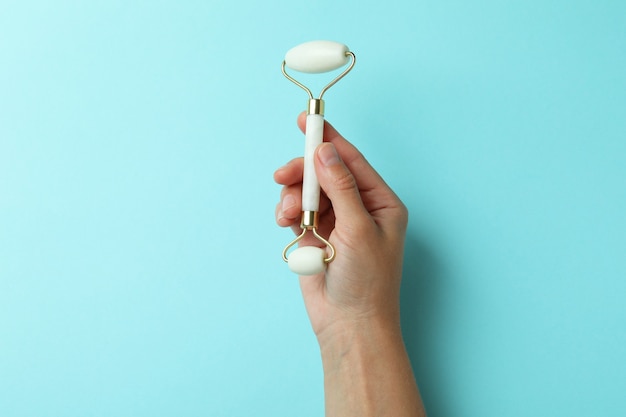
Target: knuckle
(344, 181)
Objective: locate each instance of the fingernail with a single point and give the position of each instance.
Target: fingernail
(288, 202)
(328, 154)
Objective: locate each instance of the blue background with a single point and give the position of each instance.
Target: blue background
(140, 270)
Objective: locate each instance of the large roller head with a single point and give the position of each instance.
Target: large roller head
(317, 56)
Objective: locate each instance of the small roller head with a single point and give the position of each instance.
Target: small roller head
(317, 56)
(307, 260)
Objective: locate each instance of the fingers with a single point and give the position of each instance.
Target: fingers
(370, 183)
(290, 173)
(341, 188)
(382, 204)
(289, 208)
(357, 191)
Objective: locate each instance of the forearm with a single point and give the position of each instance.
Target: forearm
(367, 373)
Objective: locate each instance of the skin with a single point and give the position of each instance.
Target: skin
(354, 305)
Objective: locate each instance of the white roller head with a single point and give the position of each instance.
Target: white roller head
(317, 56)
(307, 260)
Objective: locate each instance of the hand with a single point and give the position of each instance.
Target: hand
(365, 221)
(354, 305)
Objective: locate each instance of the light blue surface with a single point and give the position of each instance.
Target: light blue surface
(140, 270)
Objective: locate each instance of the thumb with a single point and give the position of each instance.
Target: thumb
(340, 186)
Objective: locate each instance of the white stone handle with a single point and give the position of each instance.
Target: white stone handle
(310, 186)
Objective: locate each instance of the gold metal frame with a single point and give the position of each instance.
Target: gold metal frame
(309, 222)
(330, 84)
(309, 219)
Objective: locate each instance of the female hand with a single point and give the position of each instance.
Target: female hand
(365, 221)
(354, 305)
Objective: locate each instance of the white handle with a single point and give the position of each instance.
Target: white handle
(310, 186)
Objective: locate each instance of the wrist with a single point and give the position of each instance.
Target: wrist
(351, 339)
(367, 371)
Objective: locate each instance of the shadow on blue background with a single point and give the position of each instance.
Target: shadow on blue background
(421, 305)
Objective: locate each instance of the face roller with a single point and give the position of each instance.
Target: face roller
(313, 57)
